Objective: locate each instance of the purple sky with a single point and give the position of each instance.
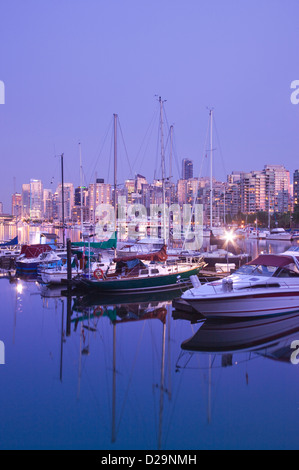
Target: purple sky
(68, 65)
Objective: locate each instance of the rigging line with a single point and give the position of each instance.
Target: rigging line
(174, 151)
(170, 420)
(197, 184)
(101, 149)
(149, 129)
(56, 170)
(110, 156)
(121, 132)
(157, 153)
(221, 155)
(130, 379)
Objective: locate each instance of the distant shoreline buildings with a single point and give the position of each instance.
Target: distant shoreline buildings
(267, 190)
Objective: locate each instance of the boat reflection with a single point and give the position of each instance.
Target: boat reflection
(86, 320)
(268, 337)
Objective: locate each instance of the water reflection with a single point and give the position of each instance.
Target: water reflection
(85, 316)
(122, 370)
(267, 337)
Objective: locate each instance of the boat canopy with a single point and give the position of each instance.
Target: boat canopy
(33, 251)
(133, 266)
(272, 260)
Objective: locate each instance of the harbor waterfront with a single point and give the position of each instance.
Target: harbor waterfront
(136, 373)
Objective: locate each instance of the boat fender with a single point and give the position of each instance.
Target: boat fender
(195, 281)
(227, 285)
(98, 273)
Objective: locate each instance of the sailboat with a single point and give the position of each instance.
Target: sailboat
(149, 272)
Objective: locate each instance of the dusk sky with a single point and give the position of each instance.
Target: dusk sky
(69, 65)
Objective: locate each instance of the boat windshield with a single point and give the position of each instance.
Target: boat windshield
(289, 270)
(293, 249)
(256, 270)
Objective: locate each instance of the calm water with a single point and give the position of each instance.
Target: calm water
(86, 374)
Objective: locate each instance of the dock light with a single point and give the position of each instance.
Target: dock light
(19, 288)
(229, 236)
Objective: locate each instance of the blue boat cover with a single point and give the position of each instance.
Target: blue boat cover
(12, 242)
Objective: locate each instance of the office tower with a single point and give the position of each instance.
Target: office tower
(16, 205)
(98, 193)
(296, 190)
(187, 169)
(26, 201)
(68, 201)
(48, 204)
(36, 199)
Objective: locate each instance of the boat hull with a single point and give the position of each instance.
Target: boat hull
(232, 336)
(247, 306)
(27, 268)
(55, 278)
(138, 285)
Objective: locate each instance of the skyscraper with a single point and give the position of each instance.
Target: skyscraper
(16, 204)
(296, 190)
(68, 200)
(187, 169)
(36, 199)
(26, 201)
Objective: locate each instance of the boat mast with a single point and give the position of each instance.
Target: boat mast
(163, 167)
(115, 174)
(62, 200)
(211, 169)
(81, 190)
(170, 155)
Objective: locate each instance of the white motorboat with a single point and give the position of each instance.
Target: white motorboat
(56, 275)
(279, 234)
(267, 285)
(263, 234)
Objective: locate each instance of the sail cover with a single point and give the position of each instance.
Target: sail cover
(12, 242)
(105, 245)
(156, 256)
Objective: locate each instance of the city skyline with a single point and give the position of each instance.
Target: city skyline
(114, 57)
(264, 190)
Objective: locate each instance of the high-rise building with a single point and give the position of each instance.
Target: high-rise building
(36, 199)
(277, 187)
(48, 204)
(265, 190)
(98, 193)
(187, 169)
(26, 201)
(16, 205)
(296, 190)
(252, 191)
(68, 201)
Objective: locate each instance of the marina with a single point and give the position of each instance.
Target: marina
(149, 228)
(120, 368)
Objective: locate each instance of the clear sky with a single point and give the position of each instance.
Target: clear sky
(69, 65)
